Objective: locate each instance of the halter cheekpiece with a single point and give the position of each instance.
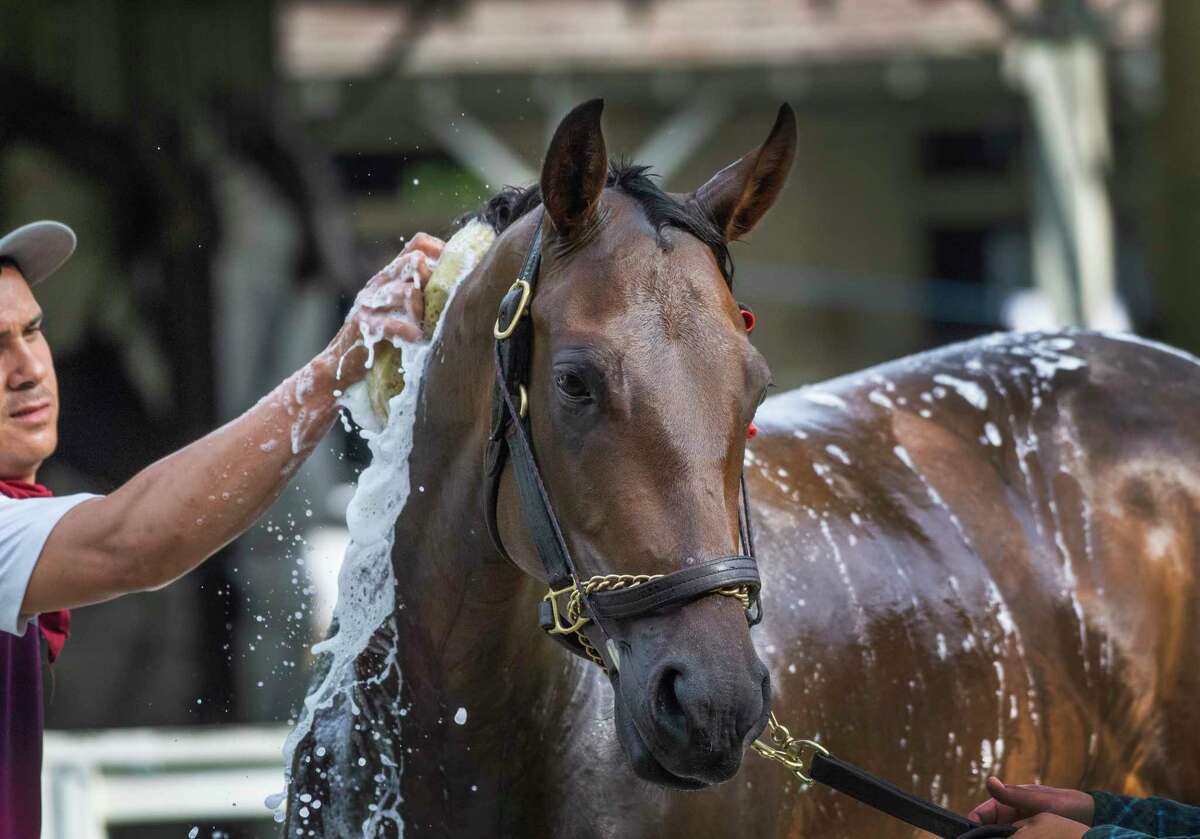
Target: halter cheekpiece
(573, 603)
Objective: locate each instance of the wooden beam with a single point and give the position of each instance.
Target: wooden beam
(1179, 281)
(470, 142)
(683, 132)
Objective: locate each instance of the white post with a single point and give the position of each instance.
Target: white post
(1065, 83)
(70, 809)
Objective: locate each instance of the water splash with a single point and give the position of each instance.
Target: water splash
(366, 582)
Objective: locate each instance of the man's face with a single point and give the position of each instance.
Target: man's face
(29, 406)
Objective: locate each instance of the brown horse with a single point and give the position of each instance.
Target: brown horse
(979, 560)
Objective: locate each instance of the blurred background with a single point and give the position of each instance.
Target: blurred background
(236, 170)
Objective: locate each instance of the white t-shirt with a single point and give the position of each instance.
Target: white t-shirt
(25, 525)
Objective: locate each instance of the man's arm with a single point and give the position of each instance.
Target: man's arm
(177, 512)
(1051, 813)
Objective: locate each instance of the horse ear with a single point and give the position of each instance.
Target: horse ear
(576, 168)
(738, 196)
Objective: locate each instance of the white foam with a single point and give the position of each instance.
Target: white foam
(881, 399)
(993, 433)
(1048, 366)
(970, 391)
(839, 453)
(356, 399)
(820, 397)
(366, 582)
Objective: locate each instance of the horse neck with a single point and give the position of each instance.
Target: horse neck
(467, 620)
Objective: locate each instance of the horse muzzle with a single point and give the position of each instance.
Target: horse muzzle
(690, 694)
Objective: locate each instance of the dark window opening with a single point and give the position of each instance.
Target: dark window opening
(974, 269)
(994, 152)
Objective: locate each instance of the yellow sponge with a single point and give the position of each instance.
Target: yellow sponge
(459, 258)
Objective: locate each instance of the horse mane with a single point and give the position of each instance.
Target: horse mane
(512, 203)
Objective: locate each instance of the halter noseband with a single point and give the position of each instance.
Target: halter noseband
(595, 601)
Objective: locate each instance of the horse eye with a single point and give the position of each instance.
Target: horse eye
(572, 387)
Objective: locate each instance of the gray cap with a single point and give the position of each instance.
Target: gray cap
(39, 249)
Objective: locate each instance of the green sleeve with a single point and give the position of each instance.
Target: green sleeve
(1123, 817)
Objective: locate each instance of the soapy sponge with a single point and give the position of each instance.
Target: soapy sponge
(459, 258)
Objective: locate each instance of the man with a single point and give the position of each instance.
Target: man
(1051, 813)
(60, 553)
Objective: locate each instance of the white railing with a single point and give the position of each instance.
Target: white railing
(94, 780)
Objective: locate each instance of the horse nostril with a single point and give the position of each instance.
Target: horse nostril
(668, 708)
(689, 709)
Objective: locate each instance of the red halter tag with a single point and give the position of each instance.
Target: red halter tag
(748, 318)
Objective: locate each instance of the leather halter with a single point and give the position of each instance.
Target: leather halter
(510, 439)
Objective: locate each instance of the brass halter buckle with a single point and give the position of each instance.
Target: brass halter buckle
(795, 754)
(526, 289)
(569, 621)
(563, 625)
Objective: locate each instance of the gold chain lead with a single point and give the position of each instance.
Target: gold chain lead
(794, 753)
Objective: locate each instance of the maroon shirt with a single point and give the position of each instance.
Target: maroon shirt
(20, 735)
(21, 718)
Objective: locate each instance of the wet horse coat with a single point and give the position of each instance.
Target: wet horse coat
(976, 560)
(979, 560)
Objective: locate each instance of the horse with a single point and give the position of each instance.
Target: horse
(978, 560)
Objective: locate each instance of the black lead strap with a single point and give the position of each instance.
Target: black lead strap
(890, 799)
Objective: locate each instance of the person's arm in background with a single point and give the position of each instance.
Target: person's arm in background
(1052, 813)
(177, 512)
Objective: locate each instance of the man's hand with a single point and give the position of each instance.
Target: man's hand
(1050, 826)
(389, 307)
(1011, 803)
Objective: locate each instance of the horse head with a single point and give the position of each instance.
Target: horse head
(641, 387)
